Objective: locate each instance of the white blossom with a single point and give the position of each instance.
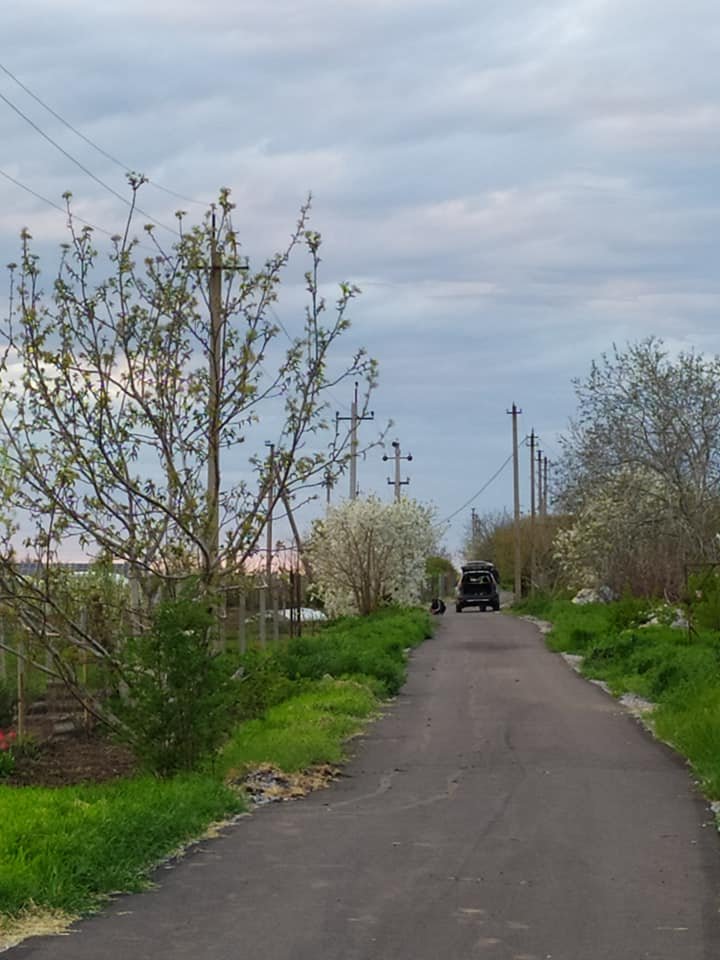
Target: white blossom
(366, 554)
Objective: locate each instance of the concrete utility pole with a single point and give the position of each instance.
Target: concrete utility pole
(328, 483)
(397, 482)
(514, 412)
(215, 352)
(540, 481)
(545, 486)
(533, 440)
(474, 526)
(354, 419)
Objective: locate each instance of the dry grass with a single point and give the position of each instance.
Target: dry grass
(33, 922)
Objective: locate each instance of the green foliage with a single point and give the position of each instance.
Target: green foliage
(439, 566)
(538, 604)
(690, 720)
(8, 699)
(704, 599)
(307, 729)
(68, 848)
(629, 611)
(371, 647)
(260, 685)
(180, 707)
(7, 753)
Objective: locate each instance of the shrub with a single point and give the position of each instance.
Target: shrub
(260, 685)
(704, 598)
(8, 699)
(182, 694)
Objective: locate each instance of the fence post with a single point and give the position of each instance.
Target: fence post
(275, 611)
(84, 673)
(21, 690)
(242, 614)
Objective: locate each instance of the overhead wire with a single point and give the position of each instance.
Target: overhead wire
(482, 489)
(82, 166)
(78, 133)
(52, 203)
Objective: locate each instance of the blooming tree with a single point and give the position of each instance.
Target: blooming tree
(367, 554)
(136, 394)
(624, 536)
(640, 469)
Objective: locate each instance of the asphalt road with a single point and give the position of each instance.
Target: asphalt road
(503, 808)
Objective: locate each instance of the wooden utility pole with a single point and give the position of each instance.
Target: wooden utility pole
(354, 419)
(269, 543)
(397, 482)
(514, 412)
(533, 440)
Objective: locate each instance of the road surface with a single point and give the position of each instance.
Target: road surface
(502, 808)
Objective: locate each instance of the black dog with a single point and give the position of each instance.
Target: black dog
(437, 607)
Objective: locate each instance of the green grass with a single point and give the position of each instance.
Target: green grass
(308, 729)
(69, 848)
(371, 647)
(690, 720)
(677, 671)
(66, 848)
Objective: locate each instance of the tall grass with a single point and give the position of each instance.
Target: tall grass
(66, 848)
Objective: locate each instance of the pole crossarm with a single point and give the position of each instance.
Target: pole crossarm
(397, 457)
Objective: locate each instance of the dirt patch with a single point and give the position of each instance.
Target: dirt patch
(74, 760)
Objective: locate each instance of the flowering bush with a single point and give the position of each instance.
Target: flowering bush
(367, 554)
(7, 757)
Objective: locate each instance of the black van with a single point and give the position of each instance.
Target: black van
(478, 586)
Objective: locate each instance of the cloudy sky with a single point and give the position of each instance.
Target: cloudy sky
(514, 184)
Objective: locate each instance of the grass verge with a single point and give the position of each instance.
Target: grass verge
(67, 849)
(678, 671)
(307, 729)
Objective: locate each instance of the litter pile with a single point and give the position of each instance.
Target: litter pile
(269, 784)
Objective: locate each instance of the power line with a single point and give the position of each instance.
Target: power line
(482, 489)
(78, 133)
(81, 166)
(51, 203)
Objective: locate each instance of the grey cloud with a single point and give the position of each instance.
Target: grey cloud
(515, 185)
